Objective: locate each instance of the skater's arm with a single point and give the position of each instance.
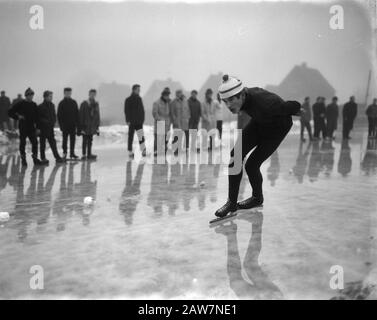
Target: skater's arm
(126, 110)
(98, 119)
(59, 115)
(155, 114)
(81, 117)
(53, 115)
(13, 111)
(142, 110)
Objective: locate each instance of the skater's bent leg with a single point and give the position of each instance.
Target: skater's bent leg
(248, 142)
(261, 153)
(42, 146)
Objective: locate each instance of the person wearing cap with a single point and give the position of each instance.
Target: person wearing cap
(14, 102)
(180, 116)
(305, 117)
(271, 120)
(219, 115)
(332, 113)
(135, 115)
(161, 111)
(371, 113)
(46, 124)
(26, 113)
(208, 113)
(319, 118)
(89, 124)
(4, 108)
(349, 116)
(68, 119)
(195, 110)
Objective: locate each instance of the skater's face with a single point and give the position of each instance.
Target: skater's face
(194, 95)
(29, 97)
(137, 90)
(2, 93)
(49, 98)
(235, 103)
(92, 95)
(67, 94)
(374, 101)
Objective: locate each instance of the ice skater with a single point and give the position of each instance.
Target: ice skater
(89, 122)
(271, 120)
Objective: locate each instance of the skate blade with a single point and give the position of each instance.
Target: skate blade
(228, 217)
(251, 209)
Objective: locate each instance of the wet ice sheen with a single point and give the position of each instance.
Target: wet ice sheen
(148, 237)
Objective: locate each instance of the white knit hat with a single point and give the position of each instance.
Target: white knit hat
(230, 87)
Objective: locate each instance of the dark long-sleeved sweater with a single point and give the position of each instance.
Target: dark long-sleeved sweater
(267, 107)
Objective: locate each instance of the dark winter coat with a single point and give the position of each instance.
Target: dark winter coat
(350, 111)
(266, 107)
(4, 108)
(16, 100)
(332, 113)
(29, 111)
(371, 111)
(68, 115)
(134, 110)
(195, 110)
(89, 117)
(46, 115)
(306, 112)
(319, 109)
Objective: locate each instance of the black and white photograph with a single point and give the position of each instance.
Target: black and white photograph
(198, 150)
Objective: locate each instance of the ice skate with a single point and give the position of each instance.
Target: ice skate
(227, 211)
(92, 157)
(250, 203)
(74, 157)
(45, 162)
(37, 162)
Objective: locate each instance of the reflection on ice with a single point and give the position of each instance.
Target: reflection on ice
(148, 227)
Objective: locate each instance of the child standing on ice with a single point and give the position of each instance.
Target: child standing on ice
(271, 120)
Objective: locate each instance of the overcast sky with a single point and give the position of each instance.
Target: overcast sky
(84, 43)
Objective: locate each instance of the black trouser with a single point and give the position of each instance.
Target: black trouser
(331, 126)
(33, 140)
(48, 134)
(372, 126)
(265, 139)
(187, 137)
(347, 127)
(72, 141)
(87, 141)
(219, 126)
(193, 123)
(131, 132)
(319, 126)
(306, 124)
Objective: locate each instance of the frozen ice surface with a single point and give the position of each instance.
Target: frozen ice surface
(148, 236)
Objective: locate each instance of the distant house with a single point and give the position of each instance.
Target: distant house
(301, 82)
(154, 93)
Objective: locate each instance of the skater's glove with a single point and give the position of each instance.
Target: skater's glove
(97, 133)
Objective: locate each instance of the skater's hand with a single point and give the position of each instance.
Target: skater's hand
(21, 117)
(97, 133)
